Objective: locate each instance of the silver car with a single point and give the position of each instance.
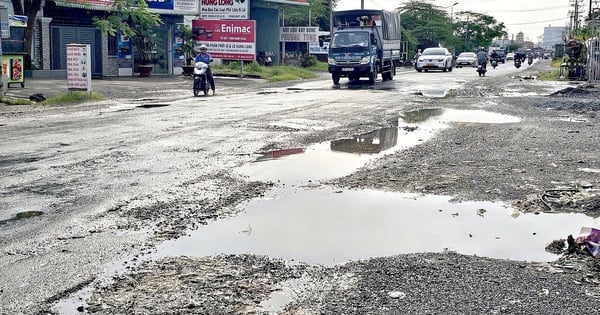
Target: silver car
(434, 58)
(466, 59)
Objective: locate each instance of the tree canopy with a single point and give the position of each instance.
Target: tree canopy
(425, 25)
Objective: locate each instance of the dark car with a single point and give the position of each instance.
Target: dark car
(501, 55)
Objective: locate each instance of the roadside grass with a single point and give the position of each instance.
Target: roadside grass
(70, 97)
(551, 75)
(14, 101)
(271, 73)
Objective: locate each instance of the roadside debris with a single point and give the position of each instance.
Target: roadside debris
(589, 239)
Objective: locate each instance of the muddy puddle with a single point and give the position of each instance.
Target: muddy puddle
(321, 226)
(301, 220)
(325, 226)
(332, 159)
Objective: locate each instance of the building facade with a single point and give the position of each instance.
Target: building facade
(62, 22)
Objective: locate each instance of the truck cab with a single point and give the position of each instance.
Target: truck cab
(353, 53)
(365, 43)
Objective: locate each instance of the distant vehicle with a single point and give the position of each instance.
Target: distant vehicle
(510, 56)
(434, 58)
(466, 59)
(501, 55)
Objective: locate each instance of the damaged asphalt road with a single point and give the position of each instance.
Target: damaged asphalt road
(153, 181)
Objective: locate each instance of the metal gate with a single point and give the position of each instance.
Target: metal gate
(593, 64)
(63, 35)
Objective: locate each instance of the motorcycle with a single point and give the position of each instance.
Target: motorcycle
(200, 78)
(494, 63)
(481, 70)
(517, 63)
(529, 60)
(265, 58)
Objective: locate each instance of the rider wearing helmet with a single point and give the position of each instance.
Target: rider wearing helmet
(482, 58)
(205, 57)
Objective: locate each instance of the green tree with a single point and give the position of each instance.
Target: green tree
(133, 19)
(476, 30)
(425, 25)
(317, 12)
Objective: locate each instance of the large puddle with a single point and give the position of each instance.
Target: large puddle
(341, 157)
(326, 226)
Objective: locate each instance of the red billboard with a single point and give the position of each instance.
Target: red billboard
(227, 39)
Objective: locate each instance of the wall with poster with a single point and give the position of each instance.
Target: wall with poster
(227, 39)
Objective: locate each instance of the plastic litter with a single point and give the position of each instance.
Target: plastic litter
(590, 237)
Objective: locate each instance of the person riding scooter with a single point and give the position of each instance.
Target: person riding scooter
(494, 59)
(205, 57)
(482, 60)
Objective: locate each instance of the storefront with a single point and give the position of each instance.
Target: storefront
(71, 21)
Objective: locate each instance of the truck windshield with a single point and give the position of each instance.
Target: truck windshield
(348, 39)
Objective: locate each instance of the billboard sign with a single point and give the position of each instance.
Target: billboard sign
(299, 34)
(227, 39)
(225, 9)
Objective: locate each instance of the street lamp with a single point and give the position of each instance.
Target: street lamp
(452, 11)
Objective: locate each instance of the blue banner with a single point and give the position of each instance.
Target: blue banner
(161, 4)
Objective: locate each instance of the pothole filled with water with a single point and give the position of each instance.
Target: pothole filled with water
(327, 226)
(332, 159)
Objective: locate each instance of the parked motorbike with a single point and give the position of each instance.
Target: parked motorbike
(200, 78)
(265, 58)
(517, 63)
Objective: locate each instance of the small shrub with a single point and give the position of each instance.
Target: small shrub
(253, 67)
(308, 61)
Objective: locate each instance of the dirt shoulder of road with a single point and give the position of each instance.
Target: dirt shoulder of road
(554, 147)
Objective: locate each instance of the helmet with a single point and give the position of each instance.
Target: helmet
(203, 47)
(481, 49)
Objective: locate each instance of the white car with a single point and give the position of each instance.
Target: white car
(510, 56)
(434, 58)
(466, 59)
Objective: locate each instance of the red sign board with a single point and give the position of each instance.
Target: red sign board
(227, 39)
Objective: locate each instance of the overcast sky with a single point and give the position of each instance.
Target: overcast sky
(529, 17)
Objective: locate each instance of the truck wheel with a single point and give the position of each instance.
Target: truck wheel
(336, 78)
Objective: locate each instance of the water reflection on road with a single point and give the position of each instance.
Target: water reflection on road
(301, 220)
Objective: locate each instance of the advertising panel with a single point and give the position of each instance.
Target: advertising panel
(227, 39)
(299, 34)
(162, 6)
(79, 70)
(225, 9)
(12, 67)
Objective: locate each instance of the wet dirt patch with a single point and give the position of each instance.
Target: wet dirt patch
(153, 105)
(23, 215)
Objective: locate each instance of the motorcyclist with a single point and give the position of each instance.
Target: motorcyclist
(482, 58)
(204, 56)
(494, 55)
